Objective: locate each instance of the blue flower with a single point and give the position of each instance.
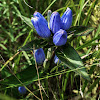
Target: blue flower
(22, 90)
(39, 56)
(60, 37)
(55, 22)
(67, 19)
(41, 27)
(56, 60)
(37, 14)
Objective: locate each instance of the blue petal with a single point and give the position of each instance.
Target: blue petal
(41, 27)
(22, 89)
(56, 60)
(60, 37)
(67, 19)
(55, 22)
(37, 14)
(39, 56)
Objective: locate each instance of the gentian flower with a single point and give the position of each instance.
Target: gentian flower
(67, 19)
(57, 60)
(60, 37)
(41, 27)
(55, 22)
(39, 56)
(37, 14)
(22, 90)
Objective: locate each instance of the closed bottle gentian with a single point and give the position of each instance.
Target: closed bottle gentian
(37, 14)
(55, 22)
(60, 37)
(39, 56)
(22, 90)
(67, 19)
(41, 27)
(57, 60)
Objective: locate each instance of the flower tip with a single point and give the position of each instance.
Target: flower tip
(67, 19)
(55, 12)
(60, 37)
(31, 17)
(35, 13)
(39, 56)
(40, 25)
(34, 20)
(55, 22)
(68, 8)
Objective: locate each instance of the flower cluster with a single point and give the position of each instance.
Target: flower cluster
(58, 26)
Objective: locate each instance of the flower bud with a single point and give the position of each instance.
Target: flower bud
(22, 90)
(55, 22)
(60, 37)
(37, 14)
(67, 19)
(46, 64)
(56, 60)
(41, 27)
(39, 56)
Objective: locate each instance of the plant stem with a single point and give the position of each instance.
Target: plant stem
(37, 74)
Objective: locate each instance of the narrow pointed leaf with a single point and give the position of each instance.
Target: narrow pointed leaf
(37, 43)
(27, 21)
(80, 30)
(71, 59)
(26, 77)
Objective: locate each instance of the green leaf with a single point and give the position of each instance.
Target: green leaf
(27, 21)
(26, 77)
(1, 45)
(71, 59)
(37, 42)
(80, 30)
(5, 73)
